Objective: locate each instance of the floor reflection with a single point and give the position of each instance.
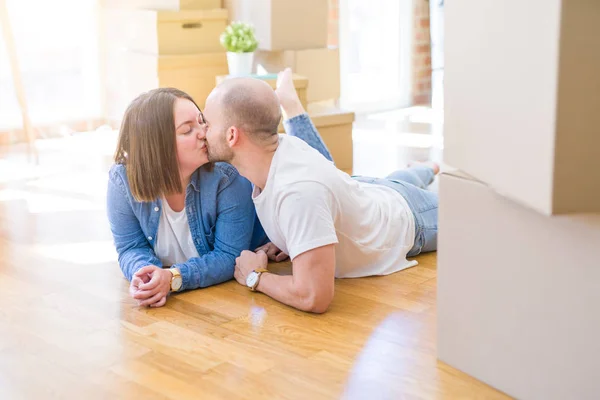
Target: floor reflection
(396, 353)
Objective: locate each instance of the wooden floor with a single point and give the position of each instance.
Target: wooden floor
(68, 328)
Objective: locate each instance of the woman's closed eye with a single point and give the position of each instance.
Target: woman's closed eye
(185, 130)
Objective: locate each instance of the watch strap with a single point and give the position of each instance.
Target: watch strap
(175, 272)
(258, 272)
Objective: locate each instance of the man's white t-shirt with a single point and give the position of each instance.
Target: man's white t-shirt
(308, 203)
(174, 243)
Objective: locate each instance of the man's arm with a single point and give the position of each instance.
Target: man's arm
(311, 285)
(309, 288)
(306, 214)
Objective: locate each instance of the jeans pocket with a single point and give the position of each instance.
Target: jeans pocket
(429, 218)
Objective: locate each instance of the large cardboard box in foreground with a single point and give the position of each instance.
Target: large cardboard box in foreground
(518, 294)
(522, 103)
(284, 24)
(320, 66)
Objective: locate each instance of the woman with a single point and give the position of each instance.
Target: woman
(169, 207)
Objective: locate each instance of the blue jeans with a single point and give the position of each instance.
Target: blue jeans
(411, 183)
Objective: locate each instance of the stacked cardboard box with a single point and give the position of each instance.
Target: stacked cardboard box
(283, 24)
(518, 263)
(335, 127)
(321, 66)
(162, 43)
(171, 5)
(294, 34)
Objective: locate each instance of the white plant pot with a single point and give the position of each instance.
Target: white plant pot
(240, 64)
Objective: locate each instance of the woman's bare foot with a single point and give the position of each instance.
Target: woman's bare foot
(433, 165)
(288, 98)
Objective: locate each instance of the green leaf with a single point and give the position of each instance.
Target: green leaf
(239, 37)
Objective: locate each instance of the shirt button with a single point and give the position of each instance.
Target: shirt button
(156, 208)
(149, 237)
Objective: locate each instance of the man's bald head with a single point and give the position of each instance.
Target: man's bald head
(249, 104)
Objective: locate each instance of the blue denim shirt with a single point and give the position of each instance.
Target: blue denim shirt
(220, 213)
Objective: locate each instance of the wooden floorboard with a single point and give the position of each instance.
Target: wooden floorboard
(68, 328)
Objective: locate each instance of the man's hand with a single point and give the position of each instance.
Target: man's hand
(273, 252)
(247, 262)
(151, 285)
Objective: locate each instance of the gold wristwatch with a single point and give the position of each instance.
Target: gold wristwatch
(176, 280)
(253, 278)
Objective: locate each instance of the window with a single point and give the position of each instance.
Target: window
(58, 52)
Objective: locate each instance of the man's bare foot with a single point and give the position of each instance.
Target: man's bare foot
(288, 98)
(433, 165)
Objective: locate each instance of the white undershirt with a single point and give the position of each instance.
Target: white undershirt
(174, 243)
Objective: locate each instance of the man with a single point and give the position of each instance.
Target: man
(330, 224)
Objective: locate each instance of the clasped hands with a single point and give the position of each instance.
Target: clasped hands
(151, 285)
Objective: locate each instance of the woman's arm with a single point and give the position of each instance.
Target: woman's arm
(131, 244)
(233, 233)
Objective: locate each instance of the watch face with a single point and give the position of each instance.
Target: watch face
(251, 279)
(176, 283)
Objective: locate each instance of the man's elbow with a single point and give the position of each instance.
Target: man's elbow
(318, 303)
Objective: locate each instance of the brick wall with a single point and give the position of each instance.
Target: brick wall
(421, 82)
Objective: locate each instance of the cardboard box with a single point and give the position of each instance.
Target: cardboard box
(522, 104)
(336, 131)
(518, 294)
(300, 83)
(320, 66)
(284, 24)
(194, 74)
(163, 4)
(166, 32)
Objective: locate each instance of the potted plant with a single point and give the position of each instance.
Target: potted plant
(240, 43)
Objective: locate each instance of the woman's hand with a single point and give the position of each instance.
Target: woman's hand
(273, 252)
(151, 285)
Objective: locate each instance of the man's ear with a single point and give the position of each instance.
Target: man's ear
(232, 136)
